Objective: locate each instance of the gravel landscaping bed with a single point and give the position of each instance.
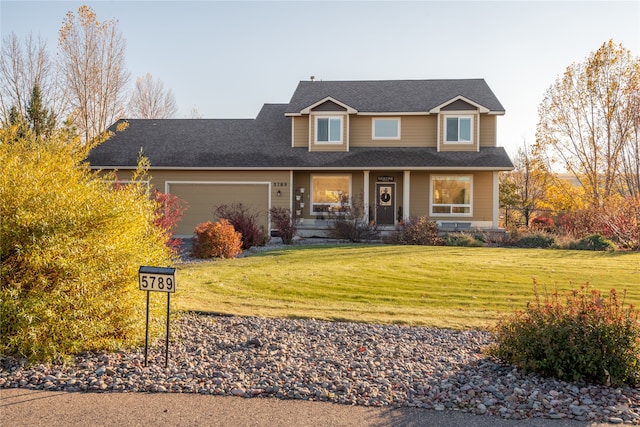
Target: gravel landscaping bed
(348, 363)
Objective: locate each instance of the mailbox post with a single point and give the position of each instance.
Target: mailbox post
(157, 279)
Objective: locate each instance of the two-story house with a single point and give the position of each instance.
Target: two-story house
(398, 148)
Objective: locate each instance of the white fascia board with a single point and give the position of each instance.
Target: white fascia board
(311, 168)
(395, 113)
(481, 108)
(350, 110)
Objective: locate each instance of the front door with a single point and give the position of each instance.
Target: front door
(385, 204)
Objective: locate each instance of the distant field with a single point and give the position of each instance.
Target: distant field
(450, 287)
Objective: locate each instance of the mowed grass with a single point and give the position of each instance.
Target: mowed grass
(447, 287)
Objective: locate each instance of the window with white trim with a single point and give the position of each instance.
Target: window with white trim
(459, 129)
(451, 195)
(329, 130)
(330, 193)
(386, 128)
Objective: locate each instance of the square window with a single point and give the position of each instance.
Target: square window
(459, 129)
(451, 195)
(330, 193)
(329, 129)
(386, 128)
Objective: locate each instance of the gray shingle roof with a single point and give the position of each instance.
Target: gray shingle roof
(394, 95)
(265, 142)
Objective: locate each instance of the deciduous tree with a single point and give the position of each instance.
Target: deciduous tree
(92, 55)
(150, 100)
(524, 187)
(588, 120)
(23, 66)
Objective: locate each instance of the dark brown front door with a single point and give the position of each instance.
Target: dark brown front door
(385, 204)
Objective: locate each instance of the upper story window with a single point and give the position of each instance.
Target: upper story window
(459, 129)
(329, 130)
(386, 128)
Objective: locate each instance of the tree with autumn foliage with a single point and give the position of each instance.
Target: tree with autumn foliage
(92, 55)
(589, 123)
(530, 177)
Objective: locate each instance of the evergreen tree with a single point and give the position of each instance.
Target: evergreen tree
(41, 120)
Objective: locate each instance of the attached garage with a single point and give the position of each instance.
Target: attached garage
(203, 197)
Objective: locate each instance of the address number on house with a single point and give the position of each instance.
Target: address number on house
(158, 279)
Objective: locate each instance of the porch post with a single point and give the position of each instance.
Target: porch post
(365, 200)
(496, 200)
(406, 189)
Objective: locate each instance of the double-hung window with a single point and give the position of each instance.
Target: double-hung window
(451, 195)
(386, 128)
(459, 129)
(329, 130)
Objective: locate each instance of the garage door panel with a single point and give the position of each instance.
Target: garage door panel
(204, 198)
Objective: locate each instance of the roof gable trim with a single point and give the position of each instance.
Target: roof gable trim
(481, 108)
(349, 110)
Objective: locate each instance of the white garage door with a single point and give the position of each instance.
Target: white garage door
(204, 197)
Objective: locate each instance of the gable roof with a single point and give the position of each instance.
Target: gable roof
(380, 96)
(265, 142)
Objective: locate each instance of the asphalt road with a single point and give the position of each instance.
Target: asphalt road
(23, 407)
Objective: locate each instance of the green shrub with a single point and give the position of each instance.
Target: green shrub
(587, 337)
(244, 222)
(462, 239)
(216, 240)
(535, 241)
(416, 231)
(71, 245)
(595, 242)
(284, 223)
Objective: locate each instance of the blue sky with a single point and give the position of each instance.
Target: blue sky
(229, 58)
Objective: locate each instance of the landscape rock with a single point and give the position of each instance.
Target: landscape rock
(347, 363)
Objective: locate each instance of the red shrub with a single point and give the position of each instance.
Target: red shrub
(169, 211)
(245, 222)
(619, 222)
(216, 240)
(542, 223)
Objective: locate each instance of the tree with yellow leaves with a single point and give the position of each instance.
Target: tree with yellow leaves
(92, 55)
(588, 122)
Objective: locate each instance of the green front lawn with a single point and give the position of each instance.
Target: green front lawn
(451, 287)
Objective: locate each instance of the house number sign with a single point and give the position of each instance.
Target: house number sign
(157, 279)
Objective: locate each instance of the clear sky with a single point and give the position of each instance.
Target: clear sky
(229, 58)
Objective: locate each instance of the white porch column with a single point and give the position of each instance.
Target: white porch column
(365, 201)
(496, 200)
(406, 190)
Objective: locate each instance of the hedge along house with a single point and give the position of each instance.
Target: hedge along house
(397, 148)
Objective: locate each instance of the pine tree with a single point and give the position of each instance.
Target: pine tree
(41, 120)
